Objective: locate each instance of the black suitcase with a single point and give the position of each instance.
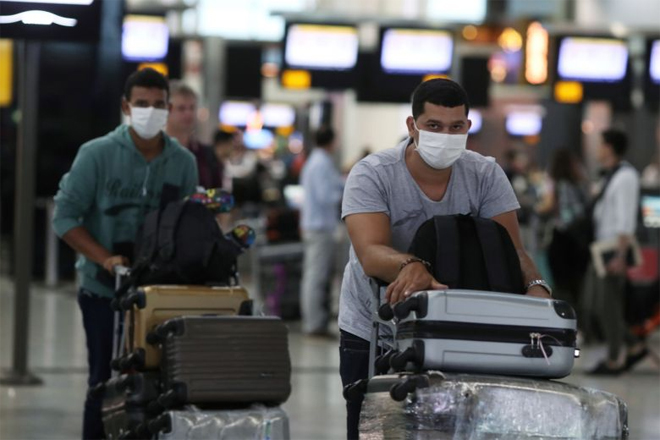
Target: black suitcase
(129, 401)
(224, 360)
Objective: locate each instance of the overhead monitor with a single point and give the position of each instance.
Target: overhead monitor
(68, 20)
(258, 139)
(236, 113)
(416, 51)
(477, 121)
(524, 123)
(321, 47)
(144, 38)
(654, 62)
(278, 115)
(651, 211)
(592, 59)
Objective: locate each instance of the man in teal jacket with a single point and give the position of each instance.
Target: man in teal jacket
(115, 180)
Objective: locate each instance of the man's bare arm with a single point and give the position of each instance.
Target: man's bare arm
(529, 270)
(370, 235)
(81, 241)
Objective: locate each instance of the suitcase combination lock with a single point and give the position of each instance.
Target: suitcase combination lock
(536, 349)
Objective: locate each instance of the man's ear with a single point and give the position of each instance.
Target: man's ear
(125, 107)
(410, 123)
(469, 124)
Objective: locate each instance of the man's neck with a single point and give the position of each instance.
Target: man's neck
(612, 163)
(422, 172)
(149, 148)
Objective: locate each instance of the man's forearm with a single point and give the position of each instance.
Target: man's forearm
(81, 241)
(383, 262)
(529, 270)
(623, 245)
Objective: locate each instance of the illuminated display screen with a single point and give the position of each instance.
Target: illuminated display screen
(68, 20)
(654, 62)
(321, 47)
(651, 211)
(144, 38)
(236, 113)
(522, 123)
(416, 51)
(592, 59)
(477, 121)
(278, 115)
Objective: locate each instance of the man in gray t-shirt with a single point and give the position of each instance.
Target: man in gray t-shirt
(388, 195)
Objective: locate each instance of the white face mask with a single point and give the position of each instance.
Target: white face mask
(440, 150)
(148, 121)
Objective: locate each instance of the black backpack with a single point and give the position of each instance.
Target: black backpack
(183, 244)
(468, 252)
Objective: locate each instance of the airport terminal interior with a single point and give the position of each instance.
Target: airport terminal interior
(264, 81)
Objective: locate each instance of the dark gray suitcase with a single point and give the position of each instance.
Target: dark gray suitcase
(224, 360)
(462, 406)
(129, 401)
(485, 332)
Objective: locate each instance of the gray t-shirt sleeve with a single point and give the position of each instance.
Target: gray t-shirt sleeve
(364, 192)
(497, 194)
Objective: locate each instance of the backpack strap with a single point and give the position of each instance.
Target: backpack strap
(493, 252)
(167, 228)
(447, 269)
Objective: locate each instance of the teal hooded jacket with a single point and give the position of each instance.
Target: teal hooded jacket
(109, 190)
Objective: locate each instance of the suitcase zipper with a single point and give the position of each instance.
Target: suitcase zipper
(486, 333)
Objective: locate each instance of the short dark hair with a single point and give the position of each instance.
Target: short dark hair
(617, 139)
(324, 136)
(563, 165)
(439, 91)
(222, 136)
(148, 78)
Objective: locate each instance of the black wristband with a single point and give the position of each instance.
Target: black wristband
(415, 260)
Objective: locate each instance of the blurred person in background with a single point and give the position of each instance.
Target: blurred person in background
(615, 218)
(223, 144)
(181, 125)
(323, 186)
(566, 203)
(115, 180)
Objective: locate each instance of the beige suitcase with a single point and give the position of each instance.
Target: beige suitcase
(149, 306)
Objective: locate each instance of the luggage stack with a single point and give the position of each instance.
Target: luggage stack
(462, 364)
(196, 353)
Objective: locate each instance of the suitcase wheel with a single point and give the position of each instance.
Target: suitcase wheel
(124, 382)
(409, 384)
(173, 397)
(162, 424)
(246, 308)
(115, 363)
(153, 338)
(414, 354)
(385, 312)
(138, 299)
(382, 362)
(355, 391)
(417, 303)
(96, 391)
(133, 360)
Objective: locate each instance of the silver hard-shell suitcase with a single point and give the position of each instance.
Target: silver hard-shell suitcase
(485, 332)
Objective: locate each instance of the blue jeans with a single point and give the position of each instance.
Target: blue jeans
(98, 321)
(353, 366)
